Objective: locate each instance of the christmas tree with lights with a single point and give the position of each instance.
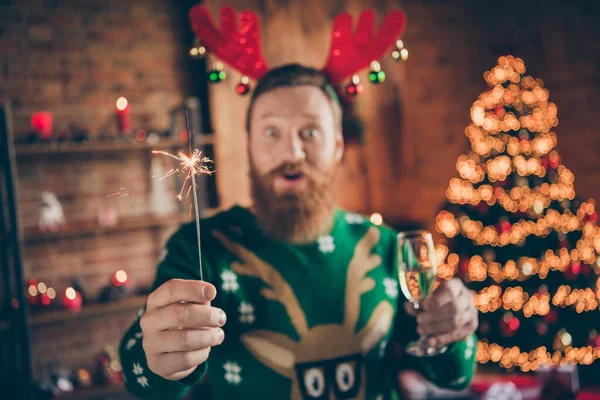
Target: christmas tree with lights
(516, 234)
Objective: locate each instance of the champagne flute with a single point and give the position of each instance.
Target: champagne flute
(417, 268)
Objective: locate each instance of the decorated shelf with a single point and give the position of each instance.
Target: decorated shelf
(99, 146)
(125, 224)
(44, 317)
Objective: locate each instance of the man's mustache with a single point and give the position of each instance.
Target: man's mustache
(291, 168)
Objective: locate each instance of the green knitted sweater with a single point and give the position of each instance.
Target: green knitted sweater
(304, 321)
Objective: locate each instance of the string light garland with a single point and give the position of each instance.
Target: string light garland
(518, 198)
(513, 357)
(492, 298)
(517, 232)
(524, 268)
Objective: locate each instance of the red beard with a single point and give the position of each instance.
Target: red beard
(298, 215)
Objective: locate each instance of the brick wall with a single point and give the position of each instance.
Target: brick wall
(75, 58)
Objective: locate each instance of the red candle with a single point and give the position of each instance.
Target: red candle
(72, 300)
(119, 278)
(41, 122)
(123, 113)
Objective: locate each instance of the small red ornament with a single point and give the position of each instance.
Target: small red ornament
(463, 266)
(243, 87)
(552, 316)
(594, 217)
(542, 328)
(354, 87)
(45, 300)
(594, 342)
(500, 111)
(505, 226)
(140, 135)
(509, 329)
(514, 324)
(573, 270)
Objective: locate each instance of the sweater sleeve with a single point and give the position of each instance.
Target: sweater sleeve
(176, 261)
(453, 369)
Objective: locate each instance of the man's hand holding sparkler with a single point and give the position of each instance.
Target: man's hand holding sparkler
(180, 326)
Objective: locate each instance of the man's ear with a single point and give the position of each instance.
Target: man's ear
(339, 147)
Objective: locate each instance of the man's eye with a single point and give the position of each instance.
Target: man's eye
(309, 133)
(270, 132)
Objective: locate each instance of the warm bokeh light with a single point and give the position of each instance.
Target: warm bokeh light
(376, 219)
(122, 103)
(41, 287)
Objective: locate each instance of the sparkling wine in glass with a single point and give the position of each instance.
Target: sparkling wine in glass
(417, 267)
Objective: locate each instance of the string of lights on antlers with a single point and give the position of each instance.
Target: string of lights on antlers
(350, 52)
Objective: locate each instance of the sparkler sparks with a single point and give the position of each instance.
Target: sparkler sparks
(124, 193)
(191, 166)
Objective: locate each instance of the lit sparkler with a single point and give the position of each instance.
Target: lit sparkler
(192, 165)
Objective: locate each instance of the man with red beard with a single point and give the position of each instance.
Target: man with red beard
(310, 291)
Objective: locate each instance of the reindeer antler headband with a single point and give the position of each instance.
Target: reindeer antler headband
(240, 47)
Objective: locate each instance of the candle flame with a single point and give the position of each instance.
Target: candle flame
(122, 103)
(70, 293)
(121, 276)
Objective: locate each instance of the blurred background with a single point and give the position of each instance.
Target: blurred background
(89, 88)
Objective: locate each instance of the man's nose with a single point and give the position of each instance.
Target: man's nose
(294, 149)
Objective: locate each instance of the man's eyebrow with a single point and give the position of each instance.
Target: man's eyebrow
(272, 115)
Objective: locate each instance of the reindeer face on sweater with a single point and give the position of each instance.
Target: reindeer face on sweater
(328, 360)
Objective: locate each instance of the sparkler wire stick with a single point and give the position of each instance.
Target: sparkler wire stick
(194, 187)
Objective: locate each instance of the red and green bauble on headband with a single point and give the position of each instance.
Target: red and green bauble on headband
(239, 46)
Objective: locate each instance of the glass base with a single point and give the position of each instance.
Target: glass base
(419, 348)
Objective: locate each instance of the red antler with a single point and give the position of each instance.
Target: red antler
(350, 53)
(240, 49)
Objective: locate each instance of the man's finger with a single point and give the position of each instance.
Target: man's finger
(184, 315)
(457, 334)
(446, 292)
(463, 303)
(172, 363)
(178, 290)
(179, 340)
(447, 338)
(451, 323)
